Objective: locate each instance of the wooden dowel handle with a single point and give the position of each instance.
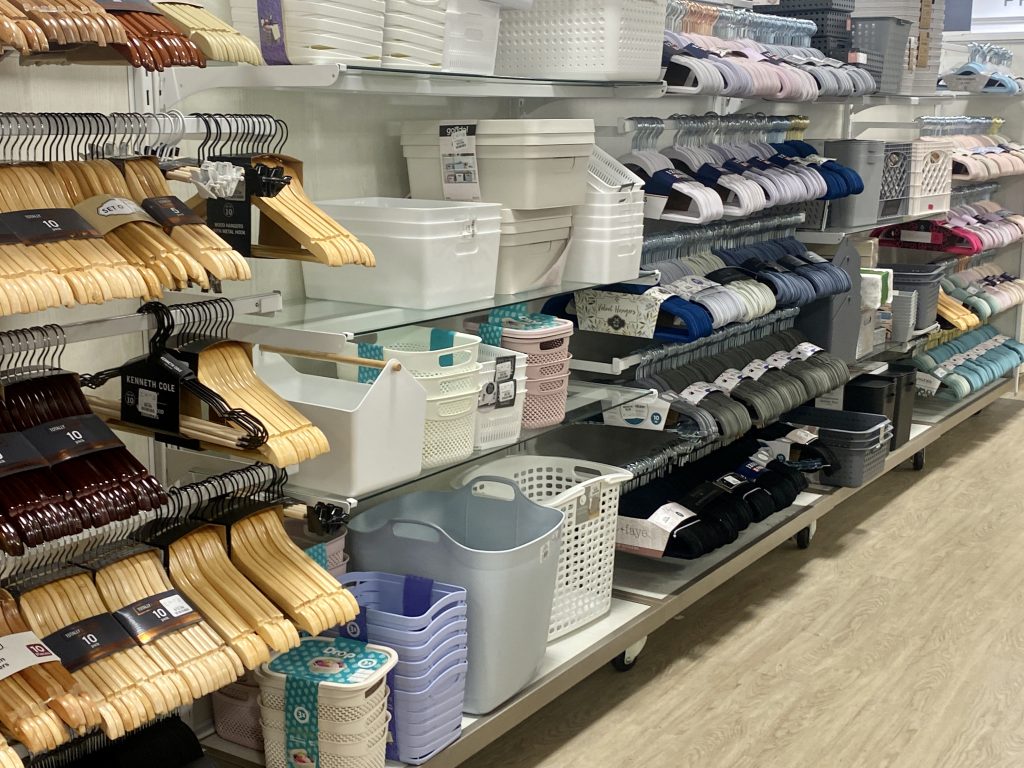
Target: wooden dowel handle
(332, 357)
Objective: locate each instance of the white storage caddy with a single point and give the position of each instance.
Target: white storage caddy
(430, 253)
(499, 426)
(526, 164)
(588, 494)
(375, 430)
(583, 40)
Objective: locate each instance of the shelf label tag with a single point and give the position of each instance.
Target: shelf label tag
(460, 172)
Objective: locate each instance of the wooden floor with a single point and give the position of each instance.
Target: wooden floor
(897, 640)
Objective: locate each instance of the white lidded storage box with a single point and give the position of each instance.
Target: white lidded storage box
(531, 260)
(583, 40)
(587, 494)
(522, 164)
(375, 430)
(430, 253)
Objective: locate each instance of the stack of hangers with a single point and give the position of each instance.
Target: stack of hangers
(982, 157)
(986, 289)
(970, 362)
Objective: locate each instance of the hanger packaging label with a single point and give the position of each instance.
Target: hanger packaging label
(17, 454)
(106, 212)
(650, 537)
(170, 212)
(148, 619)
(47, 225)
(649, 412)
(68, 438)
(150, 396)
(460, 174)
(88, 641)
(21, 651)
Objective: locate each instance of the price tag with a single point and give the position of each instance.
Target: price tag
(779, 360)
(694, 393)
(689, 286)
(755, 370)
(729, 380)
(927, 383)
(940, 373)
(804, 351)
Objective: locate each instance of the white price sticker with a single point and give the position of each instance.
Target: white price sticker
(689, 286)
(756, 369)
(694, 393)
(927, 383)
(729, 380)
(804, 351)
(779, 360)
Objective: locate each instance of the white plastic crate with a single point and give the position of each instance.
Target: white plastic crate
(499, 426)
(583, 40)
(424, 352)
(588, 494)
(603, 261)
(471, 36)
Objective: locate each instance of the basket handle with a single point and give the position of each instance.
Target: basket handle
(418, 530)
(506, 484)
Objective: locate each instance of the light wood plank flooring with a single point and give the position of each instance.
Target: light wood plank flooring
(896, 641)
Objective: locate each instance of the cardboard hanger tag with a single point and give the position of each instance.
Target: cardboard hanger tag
(88, 641)
(21, 651)
(107, 212)
(155, 616)
(170, 212)
(63, 439)
(48, 225)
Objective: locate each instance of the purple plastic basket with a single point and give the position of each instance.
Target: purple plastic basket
(456, 640)
(423, 682)
(406, 603)
(439, 693)
(418, 751)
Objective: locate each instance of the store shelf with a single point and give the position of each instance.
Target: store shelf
(179, 83)
(901, 347)
(586, 400)
(316, 318)
(836, 235)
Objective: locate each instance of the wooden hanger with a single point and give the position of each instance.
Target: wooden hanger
(213, 36)
(145, 180)
(20, 32)
(313, 598)
(293, 211)
(226, 368)
(194, 652)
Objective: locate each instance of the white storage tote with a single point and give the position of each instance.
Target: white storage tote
(501, 369)
(588, 494)
(375, 430)
(340, 685)
(471, 36)
(583, 40)
(504, 551)
(532, 260)
(603, 261)
(522, 164)
(430, 253)
(424, 352)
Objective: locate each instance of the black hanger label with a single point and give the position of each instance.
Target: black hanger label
(47, 225)
(155, 616)
(150, 396)
(64, 439)
(231, 217)
(170, 212)
(86, 642)
(17, 454)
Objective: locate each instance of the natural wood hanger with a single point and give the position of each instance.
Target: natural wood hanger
(212, 35)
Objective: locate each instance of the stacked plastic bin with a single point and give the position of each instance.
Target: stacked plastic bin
(499, 416)
(425, 623)
(325, 703)
(445, 365)
(544, 340)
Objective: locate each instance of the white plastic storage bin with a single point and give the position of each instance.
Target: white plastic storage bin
(500, 426)
(583, 40)
(522, 164)
(430, 253)
(531, 261)
(471, 36)
(603, 261)
(504, 551)
(375, 430)
(423, 352)
(588, 494)
(449, 429)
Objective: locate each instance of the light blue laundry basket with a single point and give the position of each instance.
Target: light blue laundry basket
(504, 551)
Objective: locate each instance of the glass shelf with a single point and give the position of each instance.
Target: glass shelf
(836, 235)
(320, 317)
(586, 400)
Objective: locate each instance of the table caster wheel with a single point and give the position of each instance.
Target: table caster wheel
(919, 461)
(804, 537)
(626, 660)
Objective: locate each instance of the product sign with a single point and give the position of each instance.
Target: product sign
(21, 651)
(88, 641)
(460, 171)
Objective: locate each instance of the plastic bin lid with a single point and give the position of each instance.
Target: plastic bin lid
(401, 209)
(505, 127)
(339, 663)
(514, 216)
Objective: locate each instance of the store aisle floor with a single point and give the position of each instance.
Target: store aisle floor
(896, 641)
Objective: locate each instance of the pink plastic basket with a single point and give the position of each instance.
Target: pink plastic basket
(545, 401)
(236, 715)
(548, 370)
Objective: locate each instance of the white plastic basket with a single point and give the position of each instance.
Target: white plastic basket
(500, 426)
(588, 494)
(584, 40)
(421, 350)
(370, 755)
(449, 429)
(471, 36)
(452, 385)
(545, 401)
(606, 174)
